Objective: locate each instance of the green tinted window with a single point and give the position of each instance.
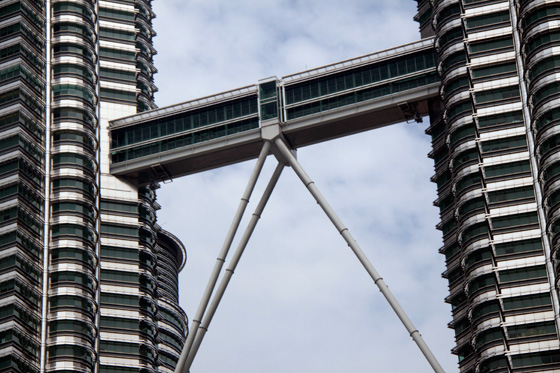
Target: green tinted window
(519, 247)
(522, 274)
(527, 301)
(504, 143)
(488, 19)
(507, 169)
(531, 330)
(490, 44)
(511, 194)
(515, 220)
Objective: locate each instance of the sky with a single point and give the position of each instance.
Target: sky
(299, 300)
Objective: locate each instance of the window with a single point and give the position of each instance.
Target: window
(65, 28)
(460, 133)
(72, 351)
(467, 181)
(117, 14)
(475, 230)
(545, 92)
(453, 34)
(497, 94)
(504, 143)
(548, 117)
(551, 171)
(120, 323)
(478, 256)
(465, 157)
(471, 205)
(531, 330)
(488, 19)
(537, 14)
(117, 54)
(485, 308)
(72, 277)
(519, 247)
(461, 326)
(120, 299)
(72, 230)
(117, 94)
(116, 34)
(119, 276)
(488, 336)
(73, 90)
(62, 69)
(490, 44)
(71, 253)
(541, 39)
(451, 251)
(449, 11)
(119, 252)
(71, 325)
(507, 169)
(493, 364)
(511, 194)
(515, 220)
(536, 359)
(118, 74)
(71, 301)
(527, 301)
(64, 48)
(462, 107)
(480, 283)
(452, 60)
(119, 230)
(519, 274)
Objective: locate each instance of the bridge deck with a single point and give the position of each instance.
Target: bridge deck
(313, 106)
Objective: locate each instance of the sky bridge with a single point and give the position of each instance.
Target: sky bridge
(344, 98)
(277, 116)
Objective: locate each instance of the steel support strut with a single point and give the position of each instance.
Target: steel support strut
(222, 256)
(292, 161)
(230, 270)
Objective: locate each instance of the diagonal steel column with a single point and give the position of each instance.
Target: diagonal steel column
(292, 161)
(222, 256)
(231, 268)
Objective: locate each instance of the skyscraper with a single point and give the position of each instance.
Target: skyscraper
(495, 135)
(88, 280)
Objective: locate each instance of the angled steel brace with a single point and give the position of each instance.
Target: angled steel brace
(222, 257)
(285, 156)
(203, 327)
(292, 161)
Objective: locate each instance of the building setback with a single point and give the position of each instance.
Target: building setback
(496, 136)
(88, 280)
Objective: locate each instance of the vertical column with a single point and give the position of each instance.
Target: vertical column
(22, 126)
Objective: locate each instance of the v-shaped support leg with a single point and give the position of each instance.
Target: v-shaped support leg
(292, 161)
(209, 314)
(222, 257)
(196, 334)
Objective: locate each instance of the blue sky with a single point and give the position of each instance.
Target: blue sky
(299, 300)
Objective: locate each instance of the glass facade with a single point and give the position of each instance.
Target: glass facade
(495, 152)
(89, 278)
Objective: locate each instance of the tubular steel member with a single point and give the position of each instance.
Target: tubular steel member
(222, 256)
(292, 161)
(230, 270)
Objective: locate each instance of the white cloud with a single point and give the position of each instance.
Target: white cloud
(299, 300)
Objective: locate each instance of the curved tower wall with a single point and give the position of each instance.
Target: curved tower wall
(495, 151)
(89, 280)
